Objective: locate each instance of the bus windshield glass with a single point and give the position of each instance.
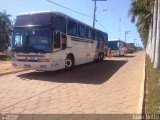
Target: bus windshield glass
(113, 45)
(33, 39)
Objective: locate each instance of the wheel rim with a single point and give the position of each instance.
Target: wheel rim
(68, 63)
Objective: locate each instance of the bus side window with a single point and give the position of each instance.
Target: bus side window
(60, 23)
(81, 30)
(93, 34)
(72, 27)
(88, 33)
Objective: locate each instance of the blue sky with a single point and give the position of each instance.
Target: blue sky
(115, 20)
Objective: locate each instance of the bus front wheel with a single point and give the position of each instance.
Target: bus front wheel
(69, 63)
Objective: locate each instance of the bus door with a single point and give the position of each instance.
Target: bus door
(57, 41)
(60, 41)
(58, 49)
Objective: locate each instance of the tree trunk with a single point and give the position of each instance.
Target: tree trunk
(157, 50)
(154, 31)
(148, 48)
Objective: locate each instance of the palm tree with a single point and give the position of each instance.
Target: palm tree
(148, 26)
(149, 41)
(142, 10)
(154, 31)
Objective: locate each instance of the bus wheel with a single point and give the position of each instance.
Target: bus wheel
(69, 63)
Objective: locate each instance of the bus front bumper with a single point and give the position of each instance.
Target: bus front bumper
(42, 66)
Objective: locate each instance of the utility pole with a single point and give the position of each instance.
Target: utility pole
(126, 33)
(95, 8)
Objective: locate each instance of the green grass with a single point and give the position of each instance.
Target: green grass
(4, 58)
(152, 101)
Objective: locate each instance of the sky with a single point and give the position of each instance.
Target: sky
(115, 20)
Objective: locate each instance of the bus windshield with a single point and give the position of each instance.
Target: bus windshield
(113, 45)
(33, 39)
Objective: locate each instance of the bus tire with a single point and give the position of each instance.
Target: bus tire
(69, 62)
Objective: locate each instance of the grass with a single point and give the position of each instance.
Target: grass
(152, 101)
(4, 57)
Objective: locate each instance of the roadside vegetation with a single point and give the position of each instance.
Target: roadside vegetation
(152, 100)
(5, 33)
(4, 57)
(146, 14)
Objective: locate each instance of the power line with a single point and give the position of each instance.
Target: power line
(69, 9)
(105, 28)
(80, 14)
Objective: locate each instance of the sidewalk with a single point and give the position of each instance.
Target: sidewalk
(7, 68)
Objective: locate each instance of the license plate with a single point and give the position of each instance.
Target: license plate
(27, 66)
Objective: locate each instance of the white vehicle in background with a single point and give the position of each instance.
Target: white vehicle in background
(50, 41)
(118, 47)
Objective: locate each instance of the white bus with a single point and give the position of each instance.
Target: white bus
(118, 47)
(49, 41)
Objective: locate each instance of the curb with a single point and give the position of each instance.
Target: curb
(2, 74)
(142, 91)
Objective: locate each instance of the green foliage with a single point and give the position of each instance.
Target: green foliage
(142, 10)
(5, 31)
(4, 58)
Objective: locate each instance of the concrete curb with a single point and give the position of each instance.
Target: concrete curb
(141, 96)
(11, 72)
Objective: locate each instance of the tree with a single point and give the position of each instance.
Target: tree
(154, 31)
(149, 41)
(141, 9)
(148, 26)
(5, 33)
(157, 46)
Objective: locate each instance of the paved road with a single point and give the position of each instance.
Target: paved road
(111, 86)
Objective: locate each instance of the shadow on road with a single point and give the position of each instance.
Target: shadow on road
(92, 73)
(126, 56)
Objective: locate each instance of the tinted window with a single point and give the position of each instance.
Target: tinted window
(72, 28)
(39, 40)
(60, 23)
(105, 37)
(113, 45)
(19, 39)
(35, 19)
(100, 36)
(90, 33)
(93, 34)
(81, 30)
(121, 44)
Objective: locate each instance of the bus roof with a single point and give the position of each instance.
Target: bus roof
(59, 13)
